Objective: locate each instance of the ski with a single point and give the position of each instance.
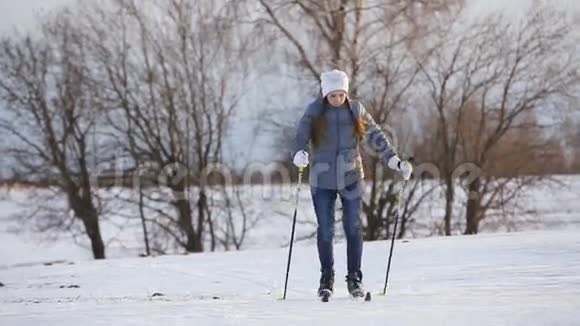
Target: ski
(368, 297)
(325, 296)
(362, 295)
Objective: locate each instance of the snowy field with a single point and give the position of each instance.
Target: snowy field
(525, 277)
(554, 207)
(528, 278)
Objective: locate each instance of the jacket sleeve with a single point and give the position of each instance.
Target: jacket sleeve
(302, 136)
(374, 137)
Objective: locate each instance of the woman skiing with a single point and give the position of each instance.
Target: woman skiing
(332, 127)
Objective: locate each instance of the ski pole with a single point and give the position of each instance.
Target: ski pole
(300, 170)
(397, 213)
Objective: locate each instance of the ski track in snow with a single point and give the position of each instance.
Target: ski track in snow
(501, 279)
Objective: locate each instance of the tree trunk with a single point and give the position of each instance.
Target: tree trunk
(84, 210)
(143, 221)
(193, 241)
(373, 225)
(403, 227)
(185, 223)
(374, 220)
(201, 213)
(212, 234)
(472, 211)
(93, 231)
(449, 198)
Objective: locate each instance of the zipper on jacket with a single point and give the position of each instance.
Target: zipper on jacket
(337, 131)
(337, 145)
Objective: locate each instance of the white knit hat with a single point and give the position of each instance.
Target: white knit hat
(332, 81)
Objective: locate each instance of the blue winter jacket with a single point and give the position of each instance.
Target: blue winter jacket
(336, 161)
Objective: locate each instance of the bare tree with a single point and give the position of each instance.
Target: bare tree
(51, 117)
(486, 81)
(509, 139)
(173, 74)
(371, 41)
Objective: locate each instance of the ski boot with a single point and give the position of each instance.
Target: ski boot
(326, 287)
(354, 284)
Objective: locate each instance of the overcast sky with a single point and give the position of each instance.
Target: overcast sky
(22, 13)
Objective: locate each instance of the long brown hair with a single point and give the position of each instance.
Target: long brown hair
(319, 124)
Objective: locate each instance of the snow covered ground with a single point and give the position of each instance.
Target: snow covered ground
(541, 208)
(528, 278)
(518, 278)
